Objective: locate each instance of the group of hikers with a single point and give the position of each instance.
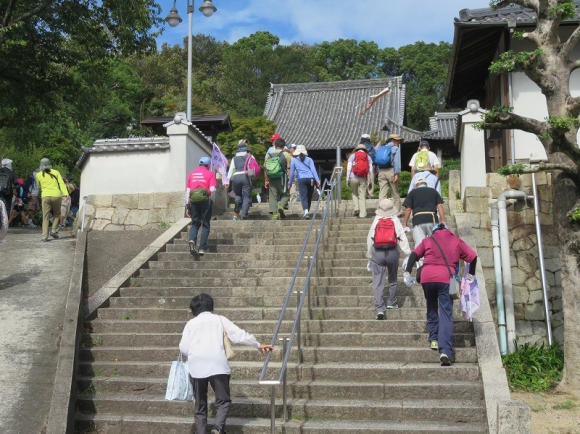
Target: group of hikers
(437, 251)
(44, 190)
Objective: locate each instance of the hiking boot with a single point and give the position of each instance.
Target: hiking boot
(32, 225)
(380, 316)
(192, 248)
(392, 306)
(236, 216)
(201, 252)
(275, 216)
(217, 431)
(54, 234)
(356, 213)
(306, 216)
(44, 240)
(281, 212)
(444, 359)
(434, 345)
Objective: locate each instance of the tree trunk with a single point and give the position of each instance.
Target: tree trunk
(565, 195)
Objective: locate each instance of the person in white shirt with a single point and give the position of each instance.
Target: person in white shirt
(202, 343)
(432, 159)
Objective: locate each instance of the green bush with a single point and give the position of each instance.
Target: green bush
(534, 368)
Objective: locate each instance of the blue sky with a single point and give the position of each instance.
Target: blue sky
(389, 23)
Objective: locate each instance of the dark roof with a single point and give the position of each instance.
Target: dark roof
(205, 123)
(442, 126)
(124, 145)
(324, 115)
(476, 39)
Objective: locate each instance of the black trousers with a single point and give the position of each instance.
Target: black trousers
(221, 387)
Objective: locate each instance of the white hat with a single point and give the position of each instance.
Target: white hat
(365, 136)
(386, 208)
(300, 149)
(420, 181)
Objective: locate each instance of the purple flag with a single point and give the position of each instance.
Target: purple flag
(219, 163)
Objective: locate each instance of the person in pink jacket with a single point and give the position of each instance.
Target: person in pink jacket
(201, 183)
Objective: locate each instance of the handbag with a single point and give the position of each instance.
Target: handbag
(179, 387)
(227, 343)
(453, 292)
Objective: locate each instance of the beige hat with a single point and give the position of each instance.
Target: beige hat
(300, 149)
(361, 147)
(420, 181)
(386, 208)
(395, 137)
(428, 168)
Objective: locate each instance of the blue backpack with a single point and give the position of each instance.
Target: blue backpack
(383, 158)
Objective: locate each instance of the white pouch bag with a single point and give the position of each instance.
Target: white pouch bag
(179, 387)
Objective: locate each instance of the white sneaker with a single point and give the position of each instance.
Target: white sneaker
(305, 216)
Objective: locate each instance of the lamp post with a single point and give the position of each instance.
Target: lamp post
(173, 19)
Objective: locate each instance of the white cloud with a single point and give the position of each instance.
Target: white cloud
(389, 23)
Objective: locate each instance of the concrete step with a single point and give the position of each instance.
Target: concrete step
(266, 327)
(310, 354)
(345, 339)
(386, 372)
(387, 410)
(155, 424)
(448, 389)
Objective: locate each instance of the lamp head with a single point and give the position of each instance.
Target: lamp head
(173, 19)
(207, 8)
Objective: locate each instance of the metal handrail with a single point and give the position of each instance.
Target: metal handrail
(330, 209)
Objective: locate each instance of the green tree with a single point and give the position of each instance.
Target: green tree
(549, 65)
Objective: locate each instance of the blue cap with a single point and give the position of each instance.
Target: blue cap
(424, 143)
(439, 226)
(204, 161)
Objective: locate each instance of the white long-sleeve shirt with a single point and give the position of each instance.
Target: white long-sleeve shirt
(399, 230)
(202, 342)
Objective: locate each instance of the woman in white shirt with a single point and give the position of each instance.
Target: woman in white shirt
(202, 343)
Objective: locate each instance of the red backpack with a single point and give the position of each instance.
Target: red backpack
(360, 165)
(385, 234)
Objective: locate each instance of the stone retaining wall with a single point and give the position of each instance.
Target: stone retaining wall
(526, 278)
(120, 212)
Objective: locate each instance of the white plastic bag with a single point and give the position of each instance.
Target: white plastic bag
(179, 387)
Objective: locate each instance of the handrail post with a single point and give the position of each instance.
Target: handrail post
(284, 405)
(273, 409)
(298, 319)
(316, 259)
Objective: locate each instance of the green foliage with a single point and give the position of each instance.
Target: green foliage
(564, 10)
(511, 169)
(563, 123)
(575, 215)
(492, 116)
(510, 61)
(533, 367)
(404, 182)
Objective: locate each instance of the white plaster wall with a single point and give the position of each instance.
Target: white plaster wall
(146, 171)
(472, 148)
(528, 101)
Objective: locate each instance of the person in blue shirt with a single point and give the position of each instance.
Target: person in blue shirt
(388, 175)
(303, 169)
(430, 175)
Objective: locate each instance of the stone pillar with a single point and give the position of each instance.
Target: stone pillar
(513, 417)
(472, 148)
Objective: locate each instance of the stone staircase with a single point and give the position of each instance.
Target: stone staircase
(358, 374)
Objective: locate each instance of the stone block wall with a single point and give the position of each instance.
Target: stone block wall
(142, 211)
(525, 267)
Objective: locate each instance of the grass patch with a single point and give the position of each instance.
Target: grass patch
(534, 368)
(566, 405)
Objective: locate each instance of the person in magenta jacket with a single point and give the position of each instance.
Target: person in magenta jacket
(435, 277)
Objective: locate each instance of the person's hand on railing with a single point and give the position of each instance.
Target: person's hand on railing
(265, 348)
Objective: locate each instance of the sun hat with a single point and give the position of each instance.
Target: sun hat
(361, 147)
(386, 208)
(395, 137)
(7, 162)
(424, 143)
(275, 136)
(204, 161)
(427, 167)
(242, 145)
(45, 164)
(300, 149)
(420, 181)
(365, 136)
(293, 146)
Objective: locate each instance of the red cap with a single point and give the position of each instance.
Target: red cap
(20, 181)
(275, 136)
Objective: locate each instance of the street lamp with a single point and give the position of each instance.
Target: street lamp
(173, 19)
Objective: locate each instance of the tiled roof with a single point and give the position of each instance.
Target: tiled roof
(324, 115)
(442, 126)
(123, 145)
(500, 16)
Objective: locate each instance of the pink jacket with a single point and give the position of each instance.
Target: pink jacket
(201, 177)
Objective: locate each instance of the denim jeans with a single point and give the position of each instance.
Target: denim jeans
(440, 315)
(200, 213)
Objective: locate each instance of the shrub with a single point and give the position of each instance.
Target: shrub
(534, 368)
